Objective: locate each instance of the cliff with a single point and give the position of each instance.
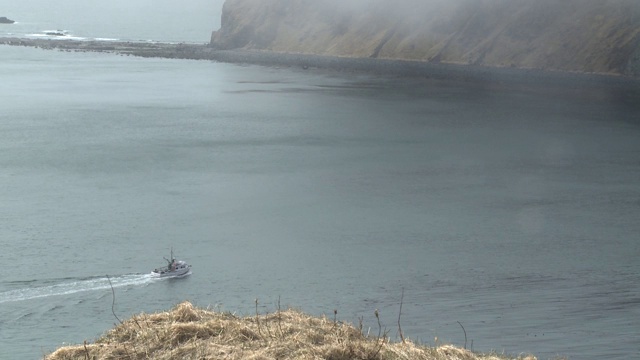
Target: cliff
(600, 36)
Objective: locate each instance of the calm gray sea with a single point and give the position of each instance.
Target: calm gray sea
(511, 210)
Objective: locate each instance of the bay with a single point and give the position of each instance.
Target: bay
(512, 210)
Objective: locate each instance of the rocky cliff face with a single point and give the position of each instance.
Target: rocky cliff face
(574, 35)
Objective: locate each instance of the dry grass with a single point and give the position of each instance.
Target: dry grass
(187, 332)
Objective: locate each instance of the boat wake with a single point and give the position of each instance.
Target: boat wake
(36, 289)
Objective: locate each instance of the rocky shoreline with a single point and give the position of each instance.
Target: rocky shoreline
(399, 68)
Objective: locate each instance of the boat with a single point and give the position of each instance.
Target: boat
(4, 20)
(174, 268)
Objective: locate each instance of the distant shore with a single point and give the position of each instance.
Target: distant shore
(393, 67)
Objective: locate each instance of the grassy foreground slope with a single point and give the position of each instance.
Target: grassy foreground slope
(187, 332)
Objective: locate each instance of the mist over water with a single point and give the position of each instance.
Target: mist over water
(141, 20)
(511, 210)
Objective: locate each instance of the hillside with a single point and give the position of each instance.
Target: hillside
(187, 332)
(601, 36)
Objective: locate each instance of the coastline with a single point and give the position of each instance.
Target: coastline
(374, 66)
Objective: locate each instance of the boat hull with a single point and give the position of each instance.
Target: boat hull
(163, 274)
(175, 268)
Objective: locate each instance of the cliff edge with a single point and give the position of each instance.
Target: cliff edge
(594, 36)
(188, 332)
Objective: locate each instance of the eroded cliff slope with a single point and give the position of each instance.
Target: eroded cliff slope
(600, 36)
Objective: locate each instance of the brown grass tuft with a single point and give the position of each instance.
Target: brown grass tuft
(187, 332)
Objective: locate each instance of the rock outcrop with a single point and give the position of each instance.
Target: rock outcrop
(599, 36)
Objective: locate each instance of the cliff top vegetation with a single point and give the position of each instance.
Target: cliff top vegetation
(188, 332)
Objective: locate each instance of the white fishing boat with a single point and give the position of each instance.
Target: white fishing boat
(174, 268)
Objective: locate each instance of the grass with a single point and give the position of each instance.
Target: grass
(188, 332)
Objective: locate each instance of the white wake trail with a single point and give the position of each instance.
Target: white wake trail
(75, 286)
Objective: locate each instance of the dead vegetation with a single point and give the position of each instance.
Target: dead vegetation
(187, 332)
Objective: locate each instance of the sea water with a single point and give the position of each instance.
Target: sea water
(511, 211)
(189, 21)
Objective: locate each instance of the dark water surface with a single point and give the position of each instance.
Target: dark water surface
(512, 211)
